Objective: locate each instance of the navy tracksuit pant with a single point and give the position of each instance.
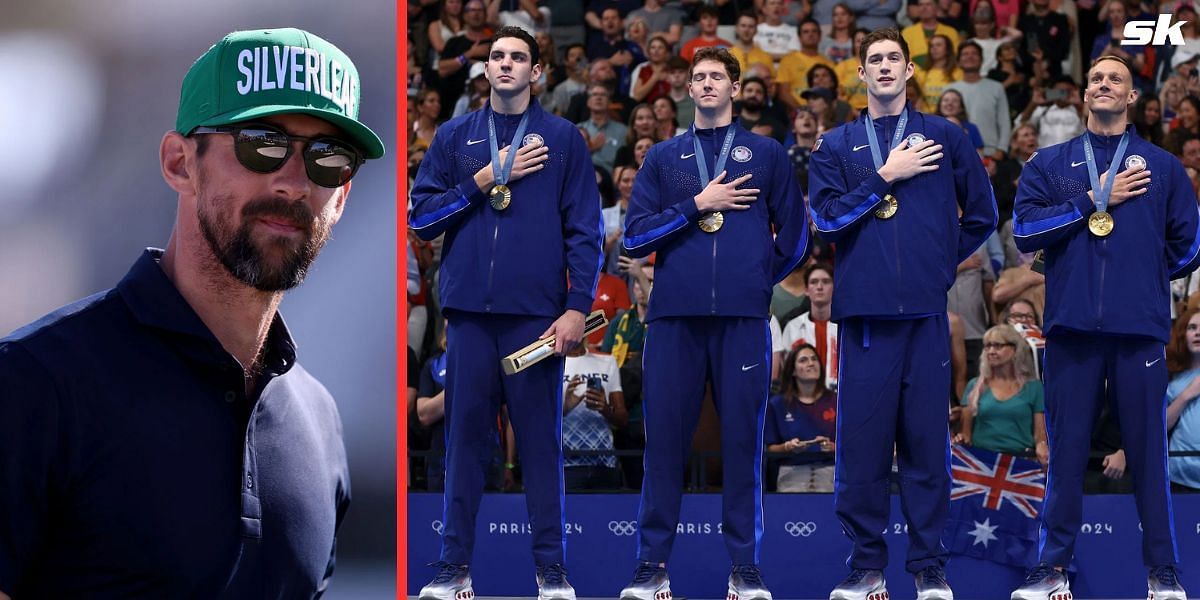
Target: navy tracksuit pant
(475, 388)
(1077, 368)
(680, 355)
(894, 381)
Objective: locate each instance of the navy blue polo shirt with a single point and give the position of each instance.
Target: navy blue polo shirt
(134, 465)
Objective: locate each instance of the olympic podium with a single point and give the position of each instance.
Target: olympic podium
(803, 549)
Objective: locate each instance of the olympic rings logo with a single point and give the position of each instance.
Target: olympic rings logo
(437, 527)
(800, 528)
(622, 527)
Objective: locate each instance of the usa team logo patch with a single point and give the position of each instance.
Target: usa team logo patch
(1135, 162)
(741, 154)
(532, 139)
(817, 146)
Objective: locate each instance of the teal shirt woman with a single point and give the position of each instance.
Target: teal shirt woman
(1004, 406)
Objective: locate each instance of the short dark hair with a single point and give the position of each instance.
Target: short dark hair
(832, 74)
(567, 49)
(535, 54)
(747, 13)
(817, 266)
(732, 67)
(707, 10)
(883, 34)
(749, 80)
(806, 21)
(677, 63)
(969, 44)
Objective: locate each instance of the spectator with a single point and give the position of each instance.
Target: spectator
(448, 24)
(989, 35)
(839, 44)
(1186, 124)
(637, 32)
(642, 124)
(593, 404)
(626, 334)
(970, 298)
(1011, 74)
(614, 220)
(1047, 36)
(604, 182)
(773, 35)
(567, 21)
(612, 45)
(914, 96)
(1004, 13)
(429, 106)
(661, 19)
(593, 16)
(478, 91)
(853, 90)
(600, 72)
(1005, 406)
(926, 26)
(815, 327)
(677, 77)
(471, 44)
(984, 99)
(1183, 411)
(752, 115)
(869, 14)
(552, 74)
(804, 132)
(744, 47)
(789, 298)
(793, 69)
(823, 104)
(1109, 43)
(1057, 113)
(823, 76)
(1181, 82)
(796, 11)
(1190, 156)
(1021, 282)
(525, 14)
(1022, 315)
(603, 134)
(942, 70)
(666, 114)
(650, 78)
(802, 420)
(575, 70)
(950, 105)
(708, 18)
(612, 296)
(764, 72)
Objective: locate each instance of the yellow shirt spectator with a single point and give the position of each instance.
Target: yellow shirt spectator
(751, 56)
(854, 90)
(918, 41)
(934, 81)
(793, 72)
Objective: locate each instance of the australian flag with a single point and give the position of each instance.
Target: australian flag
(994, 506)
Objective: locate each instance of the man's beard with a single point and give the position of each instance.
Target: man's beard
(247, 260)
(752, 104)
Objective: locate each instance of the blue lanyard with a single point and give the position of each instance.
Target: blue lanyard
(702, 164)
(876, 155)
(1100, 190)
(502, 173)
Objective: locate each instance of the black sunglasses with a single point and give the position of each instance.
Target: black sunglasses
(329, 162)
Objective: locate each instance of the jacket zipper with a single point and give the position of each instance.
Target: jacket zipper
(714, 275)
(492, 266)
(1103, 265)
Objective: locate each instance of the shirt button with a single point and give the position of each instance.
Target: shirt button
(249, 481)
(230, 396)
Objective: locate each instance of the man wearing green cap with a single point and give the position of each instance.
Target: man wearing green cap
(159, 440)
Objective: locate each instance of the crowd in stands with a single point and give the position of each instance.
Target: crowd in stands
(1007, 71)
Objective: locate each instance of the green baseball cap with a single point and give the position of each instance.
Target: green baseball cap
(252, 74)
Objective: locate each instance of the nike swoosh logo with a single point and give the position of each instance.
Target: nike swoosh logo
(745, 368)
(473, 142)
(946, 363)
(1076, 164)
(857, 148)
(687, 156)
(1150, 363)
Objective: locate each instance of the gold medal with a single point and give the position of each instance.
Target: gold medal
(712, 222)
(501, 197)
(1100, 224)
(889, 207)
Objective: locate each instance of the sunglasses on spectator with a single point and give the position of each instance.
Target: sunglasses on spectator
(997, 345)
(329, 162)
(1020, 317)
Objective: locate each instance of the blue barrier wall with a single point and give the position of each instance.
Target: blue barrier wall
(803, 550)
